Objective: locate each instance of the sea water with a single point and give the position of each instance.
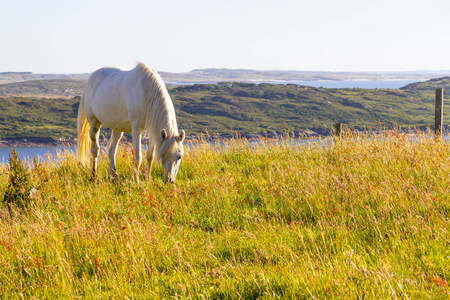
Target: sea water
(28, 153)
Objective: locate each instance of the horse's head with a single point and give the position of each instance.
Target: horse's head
(171, 152)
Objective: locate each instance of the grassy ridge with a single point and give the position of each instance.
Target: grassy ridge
(228, 107)
(366, 218)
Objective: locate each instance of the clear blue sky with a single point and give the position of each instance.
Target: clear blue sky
(54, 36)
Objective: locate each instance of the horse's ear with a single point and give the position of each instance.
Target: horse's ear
(163, 134)
(181, 136)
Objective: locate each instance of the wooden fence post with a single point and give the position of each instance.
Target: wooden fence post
(338, 130)
(439, 112)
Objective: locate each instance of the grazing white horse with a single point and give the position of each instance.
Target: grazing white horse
(134, 101)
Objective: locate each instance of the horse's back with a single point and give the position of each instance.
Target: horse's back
(106, 97)
(101, 77)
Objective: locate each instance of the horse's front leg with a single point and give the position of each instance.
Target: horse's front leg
(150, 158)
(136, 136)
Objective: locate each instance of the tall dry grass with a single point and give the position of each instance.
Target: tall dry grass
(365, 218)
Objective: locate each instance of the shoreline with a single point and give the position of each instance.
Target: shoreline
(27, 142)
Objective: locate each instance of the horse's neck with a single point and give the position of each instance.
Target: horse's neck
(158, 107)
(169, 124)
(165, 120)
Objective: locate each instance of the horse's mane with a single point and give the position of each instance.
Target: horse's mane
(158, 111)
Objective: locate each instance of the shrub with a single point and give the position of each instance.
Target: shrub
(19, 185)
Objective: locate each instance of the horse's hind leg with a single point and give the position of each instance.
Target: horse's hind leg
(94, 133)
(136, 136)
(112, 150)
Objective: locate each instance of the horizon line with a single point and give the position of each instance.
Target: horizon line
(245, 69)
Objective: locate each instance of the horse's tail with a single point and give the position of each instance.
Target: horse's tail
(84, 142)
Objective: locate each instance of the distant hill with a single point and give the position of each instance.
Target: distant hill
(14, 74)
(242, 75)
(10, 77)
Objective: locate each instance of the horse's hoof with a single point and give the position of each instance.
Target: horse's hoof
(94, 175)
(113, 174)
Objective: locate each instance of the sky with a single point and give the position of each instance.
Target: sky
(54, 36)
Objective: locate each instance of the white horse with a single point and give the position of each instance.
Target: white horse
(134, 101)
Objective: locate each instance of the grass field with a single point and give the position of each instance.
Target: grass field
(365, 218)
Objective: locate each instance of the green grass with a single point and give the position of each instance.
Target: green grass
(367, 218)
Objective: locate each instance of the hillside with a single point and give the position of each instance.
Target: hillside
(66, 88)
(38, 117)
(432, 84)
(49, 108)
(266, 108)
